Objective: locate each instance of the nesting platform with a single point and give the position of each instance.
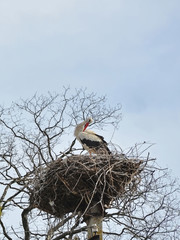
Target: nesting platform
(79, 181)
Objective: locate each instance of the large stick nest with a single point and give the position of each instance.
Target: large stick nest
(79, 181)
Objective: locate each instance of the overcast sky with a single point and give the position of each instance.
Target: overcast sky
(128, 50)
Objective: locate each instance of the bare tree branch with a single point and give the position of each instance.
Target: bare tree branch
(38, 132)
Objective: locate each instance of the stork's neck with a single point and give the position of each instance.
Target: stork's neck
(79, 128)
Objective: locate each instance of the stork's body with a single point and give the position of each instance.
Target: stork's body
(90, 141)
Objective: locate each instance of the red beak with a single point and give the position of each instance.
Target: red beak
(87, 124)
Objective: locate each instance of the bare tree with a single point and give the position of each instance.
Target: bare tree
(35, 135)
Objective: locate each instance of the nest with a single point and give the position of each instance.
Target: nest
(78, 182)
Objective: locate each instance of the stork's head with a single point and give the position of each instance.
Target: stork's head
(87, 122)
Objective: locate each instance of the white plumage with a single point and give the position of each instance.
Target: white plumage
(90, 141)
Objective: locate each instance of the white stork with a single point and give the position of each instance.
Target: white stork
(90, 141)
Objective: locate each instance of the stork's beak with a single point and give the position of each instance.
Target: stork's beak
(86, 125)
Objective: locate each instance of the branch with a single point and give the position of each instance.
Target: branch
(60, 224)
(4, 230)
(25, 222)
(70, 232)
(70, 149)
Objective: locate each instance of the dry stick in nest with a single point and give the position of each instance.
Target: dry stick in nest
(79, 183)
(99, 183)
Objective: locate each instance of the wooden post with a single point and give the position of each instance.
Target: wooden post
(94, 223)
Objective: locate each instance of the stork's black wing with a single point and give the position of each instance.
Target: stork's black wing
(96, 142)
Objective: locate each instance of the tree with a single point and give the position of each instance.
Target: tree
(35, 133)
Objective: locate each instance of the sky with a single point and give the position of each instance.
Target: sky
(127, 50)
